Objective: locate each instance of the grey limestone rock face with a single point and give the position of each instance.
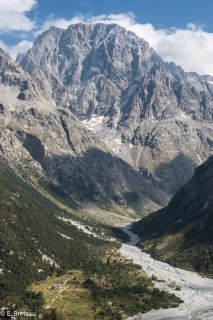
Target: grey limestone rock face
(36, 133)
(152, 114)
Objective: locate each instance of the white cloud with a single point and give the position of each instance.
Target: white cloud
(191, 48)
(13, 15)
(17, 5)
(20, 47)
(59, 23)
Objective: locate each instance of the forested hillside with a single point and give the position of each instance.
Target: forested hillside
(182, 232)
(35, 244)
(29, 230)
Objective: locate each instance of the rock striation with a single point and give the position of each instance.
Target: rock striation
(37, 133)
(154, 115)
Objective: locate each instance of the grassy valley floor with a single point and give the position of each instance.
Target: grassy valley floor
(115, 290)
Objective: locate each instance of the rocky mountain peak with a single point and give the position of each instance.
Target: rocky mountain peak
(36, 134)
(12, 75)
(120, 88)
(85, 52)
(4, 57)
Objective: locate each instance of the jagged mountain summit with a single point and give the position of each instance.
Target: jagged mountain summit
(151, 113)
(37, 134)
(182, 232)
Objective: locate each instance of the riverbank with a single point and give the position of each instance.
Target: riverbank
(196, 291)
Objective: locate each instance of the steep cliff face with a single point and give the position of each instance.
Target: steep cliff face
(36, 134)
(151, 113)
(99, 57)
(182, 232)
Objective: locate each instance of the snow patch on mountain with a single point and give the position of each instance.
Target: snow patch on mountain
(95, 123)
(184, 115)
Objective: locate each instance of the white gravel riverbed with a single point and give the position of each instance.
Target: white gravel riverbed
(195, 290)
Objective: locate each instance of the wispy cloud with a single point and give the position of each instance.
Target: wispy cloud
(15, 22)
(13, 15)
(59, 23)
(20, 47)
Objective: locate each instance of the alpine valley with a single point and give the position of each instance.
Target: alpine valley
(96, 131)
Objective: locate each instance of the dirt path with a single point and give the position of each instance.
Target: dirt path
(58, 294)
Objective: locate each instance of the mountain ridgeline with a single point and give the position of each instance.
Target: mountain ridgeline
(34, 130)
(150, 113)
(96, 127)
(50, 165)
(182, 232)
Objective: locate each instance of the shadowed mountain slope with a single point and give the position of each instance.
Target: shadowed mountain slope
(151, 113)
(182, 232)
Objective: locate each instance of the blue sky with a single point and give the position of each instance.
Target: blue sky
(179, 30)
(161, 13)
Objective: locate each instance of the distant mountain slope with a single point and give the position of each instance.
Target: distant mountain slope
(151, 113)
(182, 232)
(34, 132)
